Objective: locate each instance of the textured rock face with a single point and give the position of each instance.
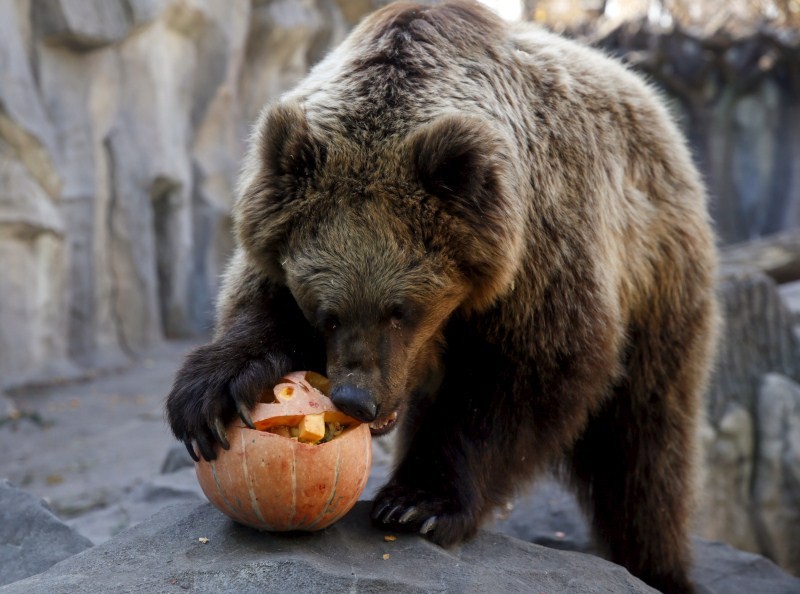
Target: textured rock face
(730, 90)
(31, 537)
(122, 124)
(192, 546)
(776, 478)
(165, 555)
(752, 439)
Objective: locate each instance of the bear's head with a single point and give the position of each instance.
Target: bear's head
(381, 243)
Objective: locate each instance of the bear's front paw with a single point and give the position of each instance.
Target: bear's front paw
(440, 518)
(217, 382)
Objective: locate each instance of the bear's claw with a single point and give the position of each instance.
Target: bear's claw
(408, 515)
(190, 449)
(410, 510)
(429, 525)
(217, 382)
(244, 414)
(219, 432)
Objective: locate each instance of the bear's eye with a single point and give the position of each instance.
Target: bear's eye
(328, 322)
(399, 314)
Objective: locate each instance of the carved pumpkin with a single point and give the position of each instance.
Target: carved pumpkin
(302, 468)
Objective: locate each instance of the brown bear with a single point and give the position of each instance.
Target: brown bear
(495, 239)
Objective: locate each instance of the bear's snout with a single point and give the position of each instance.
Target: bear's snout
(356, 402)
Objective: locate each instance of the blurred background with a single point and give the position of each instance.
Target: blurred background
(122, 126)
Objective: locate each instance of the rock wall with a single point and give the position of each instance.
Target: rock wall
(736, 96)
(751, 496)
(122, 123)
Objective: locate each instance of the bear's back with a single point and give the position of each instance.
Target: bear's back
(552, 97)
(594, 151)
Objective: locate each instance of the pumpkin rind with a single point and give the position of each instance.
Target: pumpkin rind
(275, 483)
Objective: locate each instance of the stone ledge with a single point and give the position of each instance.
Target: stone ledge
(164, 554)
(32, 538)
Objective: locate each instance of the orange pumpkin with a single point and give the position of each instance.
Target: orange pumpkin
(271, 481)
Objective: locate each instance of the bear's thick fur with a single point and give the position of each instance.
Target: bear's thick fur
(497, 237)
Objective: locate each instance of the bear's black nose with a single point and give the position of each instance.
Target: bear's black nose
(355, 402)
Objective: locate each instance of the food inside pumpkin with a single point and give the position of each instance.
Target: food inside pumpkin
(311, 429)
(297, 395)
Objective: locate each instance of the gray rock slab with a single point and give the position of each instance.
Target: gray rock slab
(777, 255)
(32, 538)
(549, 515)
(95, 441)
(165, 555)
(790, 293)
(178, 488)
(721, 569)
(177, 458)
(776, 479)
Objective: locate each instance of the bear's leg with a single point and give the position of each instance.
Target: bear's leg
(634, 466)
(460, 459)
(492, 424)
(634, 478)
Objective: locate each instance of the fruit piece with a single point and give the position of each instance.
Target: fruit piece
(332, 430)
(312, 428)
(308, 429)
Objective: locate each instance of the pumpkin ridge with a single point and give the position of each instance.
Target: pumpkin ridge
(249, 479)
(325, 509)
(220, 490)
(294, 489)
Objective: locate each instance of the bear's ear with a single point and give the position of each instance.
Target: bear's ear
(283, 159)
(288, 147)
(467, 167)
(456, 159)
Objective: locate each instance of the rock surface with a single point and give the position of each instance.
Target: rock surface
(776, 476)
(777, 256)
(143, 502)
(86, 445)
(32, 538)
(165, 554)
(721, 569)
(752, 437)
(547, 516)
